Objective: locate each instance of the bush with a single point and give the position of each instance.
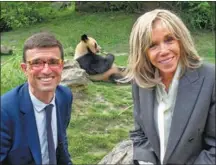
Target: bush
(4, 26)
(198, 14)
(19, 14)
(11, 74)
(23, 14)
(195, 14)
(126, 6)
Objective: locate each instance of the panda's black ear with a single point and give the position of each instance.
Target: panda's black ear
(84, 37)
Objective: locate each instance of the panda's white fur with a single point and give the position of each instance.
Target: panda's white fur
(82, 47)
(89, 43)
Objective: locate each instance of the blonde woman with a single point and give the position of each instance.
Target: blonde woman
(173, 93)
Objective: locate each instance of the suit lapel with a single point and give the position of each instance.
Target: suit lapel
(188, 90)
(147, 117)
(60, 152)
(58, 117)
(26, 108)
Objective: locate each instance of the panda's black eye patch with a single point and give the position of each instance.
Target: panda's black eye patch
(95, 45)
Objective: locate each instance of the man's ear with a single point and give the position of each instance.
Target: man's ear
(24, 67)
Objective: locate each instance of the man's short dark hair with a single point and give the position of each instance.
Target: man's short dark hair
(42, 40)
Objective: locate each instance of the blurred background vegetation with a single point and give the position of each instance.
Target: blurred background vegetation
(14, 15)
(102, 113)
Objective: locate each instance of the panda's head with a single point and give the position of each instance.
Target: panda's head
(91, 44)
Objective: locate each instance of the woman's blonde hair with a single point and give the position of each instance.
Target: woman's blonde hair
(139, 67)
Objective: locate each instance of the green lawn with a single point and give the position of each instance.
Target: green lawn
(102, 113)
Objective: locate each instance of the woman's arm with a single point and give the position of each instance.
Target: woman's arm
(207, 156)
(142, 149)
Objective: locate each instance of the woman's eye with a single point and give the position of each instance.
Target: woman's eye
(169, 39)
(152, 45)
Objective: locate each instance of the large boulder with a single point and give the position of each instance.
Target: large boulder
(121, 154)
(5, 50)
(73, 75)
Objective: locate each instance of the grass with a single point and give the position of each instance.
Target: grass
(205, 44)
(102, 113)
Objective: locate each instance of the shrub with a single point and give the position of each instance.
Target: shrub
(195, 14)
(19, 14)
(11, 74)
(198, 14)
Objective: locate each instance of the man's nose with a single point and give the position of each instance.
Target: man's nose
(46, 68)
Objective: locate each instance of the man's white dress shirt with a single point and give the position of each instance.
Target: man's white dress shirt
(40, 117)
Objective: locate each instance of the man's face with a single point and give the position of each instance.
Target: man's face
(43, 69)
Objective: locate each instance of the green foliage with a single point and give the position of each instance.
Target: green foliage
(19, 14)
(101, 6)
(198, 14)
(121, 6)
(4, 26)
(195, 14)
(11, 74)
(60, 5)
(23, 14)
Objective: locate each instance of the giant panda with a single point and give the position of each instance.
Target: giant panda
(98, 67)
(85, 46)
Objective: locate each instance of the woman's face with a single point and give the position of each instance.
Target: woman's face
(164, 51)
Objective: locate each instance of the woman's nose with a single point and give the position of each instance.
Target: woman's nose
(163, 48)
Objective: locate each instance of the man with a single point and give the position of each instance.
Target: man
(35, 115)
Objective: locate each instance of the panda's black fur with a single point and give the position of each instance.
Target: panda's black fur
(84, 37)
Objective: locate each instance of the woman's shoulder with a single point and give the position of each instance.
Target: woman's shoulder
(207, 69)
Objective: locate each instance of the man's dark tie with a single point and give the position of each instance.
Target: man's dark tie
(51, 146)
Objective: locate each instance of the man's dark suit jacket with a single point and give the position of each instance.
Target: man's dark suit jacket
(192, 138)
(19, 136)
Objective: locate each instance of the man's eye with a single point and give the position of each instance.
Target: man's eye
(37, 62)
(54, 61)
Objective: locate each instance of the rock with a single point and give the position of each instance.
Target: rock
(71, 64)
(5, 50)
(121, 154)
(73, 75)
